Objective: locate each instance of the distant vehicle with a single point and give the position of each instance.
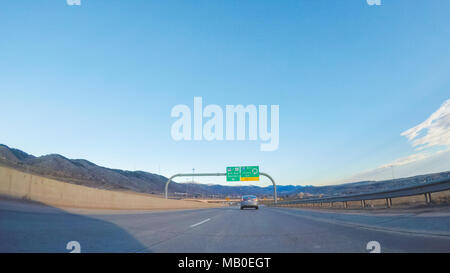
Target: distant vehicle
(249, 201)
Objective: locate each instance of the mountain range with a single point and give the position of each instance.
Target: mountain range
(86, 173)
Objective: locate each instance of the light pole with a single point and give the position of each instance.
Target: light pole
(193, 171)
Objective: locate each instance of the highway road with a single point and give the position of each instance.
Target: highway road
(38, 228)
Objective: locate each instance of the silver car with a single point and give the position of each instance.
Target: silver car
(249, 201)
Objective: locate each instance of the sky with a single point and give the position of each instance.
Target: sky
(363, 91)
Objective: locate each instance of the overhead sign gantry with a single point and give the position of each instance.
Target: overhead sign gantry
(243, 173)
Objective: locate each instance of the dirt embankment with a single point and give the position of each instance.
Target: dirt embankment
(17, 184)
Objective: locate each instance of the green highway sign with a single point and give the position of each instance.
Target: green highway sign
(233, 173)
(250, 173)
(244, 173)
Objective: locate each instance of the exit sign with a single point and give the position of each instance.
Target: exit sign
(233, 173)
(244, 173)
(250, 173)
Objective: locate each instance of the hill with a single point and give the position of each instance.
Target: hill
(86, 173)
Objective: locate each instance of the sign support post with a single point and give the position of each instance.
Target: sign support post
(219, 174)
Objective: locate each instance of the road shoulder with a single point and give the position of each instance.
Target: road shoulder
(419, 222)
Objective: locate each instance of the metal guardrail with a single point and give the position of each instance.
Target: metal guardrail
(425, 189)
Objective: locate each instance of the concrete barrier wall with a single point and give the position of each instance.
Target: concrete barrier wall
(23, 185)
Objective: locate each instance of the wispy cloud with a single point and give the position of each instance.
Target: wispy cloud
(433, 132)
(406, 160)
(415, 164)
(437, 128)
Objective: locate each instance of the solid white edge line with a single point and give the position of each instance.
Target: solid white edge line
(199, 223)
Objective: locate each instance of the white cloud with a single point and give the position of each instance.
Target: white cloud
(406, 160)
(437, 128)
(434, 131)
(415, 164)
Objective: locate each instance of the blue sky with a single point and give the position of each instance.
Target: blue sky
(98, 81)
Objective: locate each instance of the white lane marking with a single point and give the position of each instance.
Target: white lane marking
(199, 223)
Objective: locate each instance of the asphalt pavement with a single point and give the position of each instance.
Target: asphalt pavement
(38, 228)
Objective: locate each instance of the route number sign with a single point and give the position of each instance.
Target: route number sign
(233, 173)
(244, 173)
